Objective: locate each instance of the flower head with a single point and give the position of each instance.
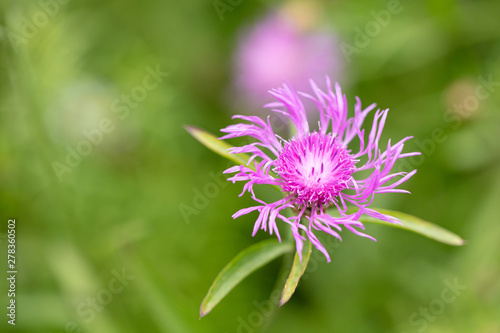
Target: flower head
(315, 169)
(277, 47)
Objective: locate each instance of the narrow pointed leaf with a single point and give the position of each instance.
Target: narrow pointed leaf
(221, 147)
(246, 262)
(418, 226)
(298, 269)
(218, 146)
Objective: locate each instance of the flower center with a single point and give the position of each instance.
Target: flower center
(315, 167)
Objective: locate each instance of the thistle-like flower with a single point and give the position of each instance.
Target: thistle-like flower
(315, 169)
(276, 47)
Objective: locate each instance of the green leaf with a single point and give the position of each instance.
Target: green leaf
(298, 269)
(418, 226)
(218, 146)
(246, 262)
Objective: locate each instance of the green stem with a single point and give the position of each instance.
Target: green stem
(286, 266)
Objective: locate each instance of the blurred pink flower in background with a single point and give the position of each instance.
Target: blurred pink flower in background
(284, 45)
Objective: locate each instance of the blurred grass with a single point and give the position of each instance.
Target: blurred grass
(120, 207)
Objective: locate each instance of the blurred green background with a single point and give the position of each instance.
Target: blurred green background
(118, 210)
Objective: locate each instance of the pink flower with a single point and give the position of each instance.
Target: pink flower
(277, 48)
(315, 169)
